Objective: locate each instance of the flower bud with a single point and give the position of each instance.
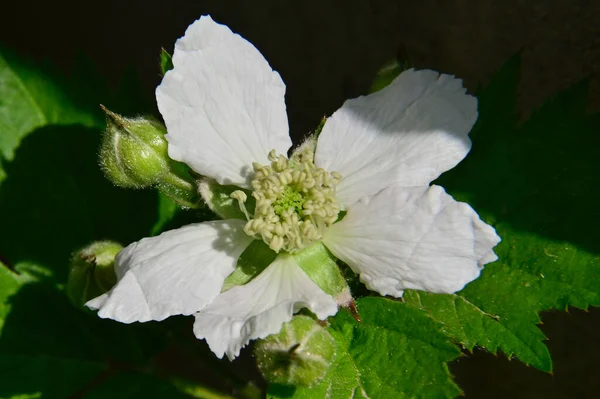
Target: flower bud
(92, 271)
(300, 354)
(134, 151)
(390, 71)
(134, 155)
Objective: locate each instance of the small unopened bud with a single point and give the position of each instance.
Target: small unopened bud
(300, 354)
(390, 71)
(134, 155)
(92, 271)
(134, 151)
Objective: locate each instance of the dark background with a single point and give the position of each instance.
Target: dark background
(328, 51)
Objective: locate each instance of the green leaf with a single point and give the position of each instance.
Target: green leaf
(43, 340)
(540, 180)
(167, 211)
(54, 185)
(9, 284)
(29, 100)
(469, 325)
(50, 349)
(394, 352)
(55, 200)
(37, 377)
(127, 384)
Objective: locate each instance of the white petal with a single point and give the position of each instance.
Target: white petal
(222, 103)
(177, 272)
(259, 308)
(413, 238)
(405, 135)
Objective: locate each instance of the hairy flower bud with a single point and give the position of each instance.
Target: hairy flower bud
(134, 155)
(300, 354)
(134, 151)
(92, 271)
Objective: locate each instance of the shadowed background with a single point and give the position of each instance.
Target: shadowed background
(328, 51)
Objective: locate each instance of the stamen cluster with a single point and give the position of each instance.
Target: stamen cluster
(295, 201)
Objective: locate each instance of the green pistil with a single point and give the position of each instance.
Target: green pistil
(289, 199)
(295, 201)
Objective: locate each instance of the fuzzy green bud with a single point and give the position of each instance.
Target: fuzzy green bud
(134, 150)
(134, 154)
(300, 354)
(92, 271)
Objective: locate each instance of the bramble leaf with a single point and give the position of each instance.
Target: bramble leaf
(31, 100)
(394, 352)
(56, 351)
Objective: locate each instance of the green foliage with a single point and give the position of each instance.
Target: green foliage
(31, 100)
(167, 211)
(394, 352)
(54, 200)
(48, 347)
(536, 182)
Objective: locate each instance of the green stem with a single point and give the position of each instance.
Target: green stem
(198, 391)
(180, 190)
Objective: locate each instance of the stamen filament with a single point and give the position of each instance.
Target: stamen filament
(241, 197)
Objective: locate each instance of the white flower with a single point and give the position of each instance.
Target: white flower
(375, 158)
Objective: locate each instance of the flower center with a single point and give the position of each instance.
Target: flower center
(295, 201)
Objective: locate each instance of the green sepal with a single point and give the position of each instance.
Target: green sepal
(321, 267)
(179, 185)
(218, 198)
(256, 258)
(166, 62)
(306, 150)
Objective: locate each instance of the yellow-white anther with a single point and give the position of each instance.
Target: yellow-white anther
(241, 197)
(295, 201)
